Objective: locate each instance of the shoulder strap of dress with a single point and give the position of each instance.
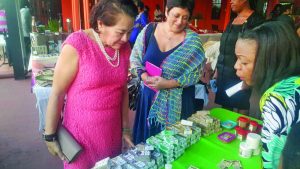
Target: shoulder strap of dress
(149, 32)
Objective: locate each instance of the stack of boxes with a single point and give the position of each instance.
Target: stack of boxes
(208, 124)
(142, 156)
(166, 146)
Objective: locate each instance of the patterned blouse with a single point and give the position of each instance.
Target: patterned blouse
(280, 107)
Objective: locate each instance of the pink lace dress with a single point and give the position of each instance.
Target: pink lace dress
(93, 111)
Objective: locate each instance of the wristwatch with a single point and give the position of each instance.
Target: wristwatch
(49, 137)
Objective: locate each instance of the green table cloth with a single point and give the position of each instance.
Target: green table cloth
(209, 151)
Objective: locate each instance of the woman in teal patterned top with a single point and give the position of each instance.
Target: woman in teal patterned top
(268, 59)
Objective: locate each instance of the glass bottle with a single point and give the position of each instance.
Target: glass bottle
(69, 26)
(33, 24)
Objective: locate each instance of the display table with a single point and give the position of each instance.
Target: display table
(210, 37)
(209, 151)
(42, 96)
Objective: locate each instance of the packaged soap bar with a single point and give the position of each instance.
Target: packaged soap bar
(182, 141)
(103, 164)
(186, 123)
(153, 141)
(158, 157)
(140, 165)
(128, 157)
(118, 161)
(129, 166)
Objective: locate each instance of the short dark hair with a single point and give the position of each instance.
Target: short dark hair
(189, 4)
(140, 5)
(277, 10)
(107, 11)
(291, 150)
(286, 7)
(278, 54)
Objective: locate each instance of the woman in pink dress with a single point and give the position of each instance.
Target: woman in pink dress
(91, 73)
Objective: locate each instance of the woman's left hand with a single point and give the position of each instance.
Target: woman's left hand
(159, 83)
(127, 140)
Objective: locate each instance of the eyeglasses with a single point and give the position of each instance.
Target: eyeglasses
(177, 16)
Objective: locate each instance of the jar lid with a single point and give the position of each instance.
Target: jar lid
(253, 123)
(242, 131)
(237, 128)
(253, 137)
(243, 119)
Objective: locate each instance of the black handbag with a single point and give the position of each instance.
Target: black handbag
(134, 83)
(133, 90)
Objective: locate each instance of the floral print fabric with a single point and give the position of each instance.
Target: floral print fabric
(280, 107)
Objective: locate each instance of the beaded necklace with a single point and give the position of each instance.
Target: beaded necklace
(108, 58)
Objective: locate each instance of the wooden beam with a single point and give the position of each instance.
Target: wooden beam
(76, 15)
(86, 14)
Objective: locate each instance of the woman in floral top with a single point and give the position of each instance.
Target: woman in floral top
(268, 59)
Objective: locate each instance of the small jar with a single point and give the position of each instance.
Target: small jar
(243, 122)
(257, 151)
(237, 129)
(253, 126)
(245, 151)
(253, 140)
(241, 134)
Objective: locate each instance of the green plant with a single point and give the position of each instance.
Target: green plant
(41, 28)
(53, 25)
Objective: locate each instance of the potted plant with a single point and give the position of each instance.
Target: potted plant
(53, 25)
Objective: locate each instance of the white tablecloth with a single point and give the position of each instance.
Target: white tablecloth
(210, 37)
(42, 96)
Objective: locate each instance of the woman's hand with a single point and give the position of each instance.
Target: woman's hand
(158, 82)
(150, 80)
(54, 149)
(127, 140)
(215, 75)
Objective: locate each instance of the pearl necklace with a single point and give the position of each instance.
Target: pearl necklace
(108, 58)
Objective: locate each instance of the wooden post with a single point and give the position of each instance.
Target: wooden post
(76, 15)
(86, 14)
